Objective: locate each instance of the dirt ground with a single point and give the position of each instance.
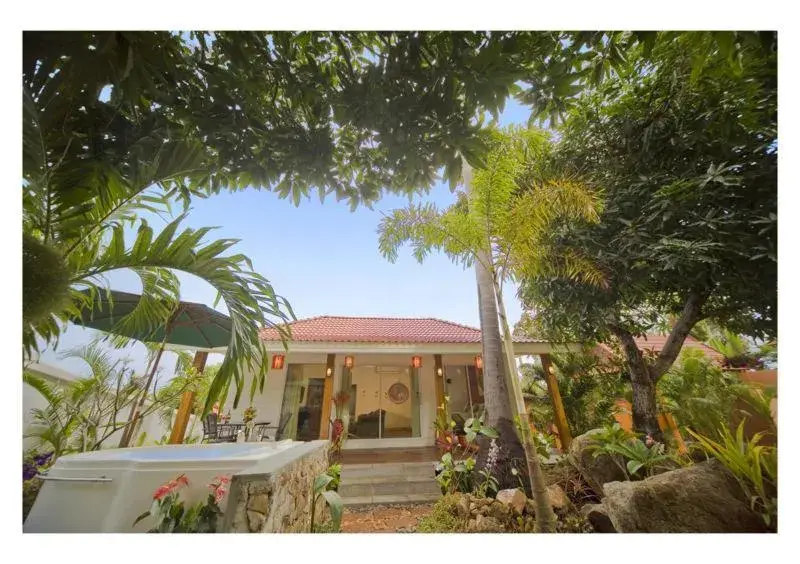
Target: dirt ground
(384, 518)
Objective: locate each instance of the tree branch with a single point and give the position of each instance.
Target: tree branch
(634, 356)
(690, 315)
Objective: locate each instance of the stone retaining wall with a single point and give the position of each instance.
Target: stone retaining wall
(275, 497)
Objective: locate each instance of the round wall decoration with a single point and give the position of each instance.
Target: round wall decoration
(398, 393)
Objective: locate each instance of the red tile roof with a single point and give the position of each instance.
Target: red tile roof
(328, 328)
(656, 343)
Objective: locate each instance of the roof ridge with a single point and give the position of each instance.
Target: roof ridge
(454, 323)
(388, 317)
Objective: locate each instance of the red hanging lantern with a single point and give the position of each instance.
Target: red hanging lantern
(277, 362)
(416, 362)
(348, 362)
(479, 362)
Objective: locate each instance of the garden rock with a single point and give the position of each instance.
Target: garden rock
(485, 524)
(596, 471)
(596, 514)
(558, 499)
(703, 498)
(463, 506)
(512, 498)
(499, 511)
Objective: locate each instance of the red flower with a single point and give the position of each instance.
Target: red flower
(161, 492)
(170, 486)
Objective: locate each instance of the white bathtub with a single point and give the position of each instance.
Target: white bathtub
(104, 492)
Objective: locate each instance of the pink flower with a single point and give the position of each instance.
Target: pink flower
(219, 494)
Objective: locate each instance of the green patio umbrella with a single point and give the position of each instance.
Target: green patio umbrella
(190, 325)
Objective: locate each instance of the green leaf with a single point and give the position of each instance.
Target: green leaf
(336, 506)
(321, 482)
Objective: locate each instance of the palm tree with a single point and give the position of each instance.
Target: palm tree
(500, 226)
(80, 223)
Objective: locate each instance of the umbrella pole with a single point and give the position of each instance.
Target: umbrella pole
(137, 406)
(187, 401)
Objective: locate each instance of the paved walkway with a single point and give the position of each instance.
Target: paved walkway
(384, 518)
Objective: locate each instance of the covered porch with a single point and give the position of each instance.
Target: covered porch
(382, 378)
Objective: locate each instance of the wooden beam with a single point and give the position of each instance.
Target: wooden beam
(187, 403)
(564, 435)
(327, 397)
(439, 380)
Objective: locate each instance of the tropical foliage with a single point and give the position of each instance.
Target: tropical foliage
(754, 465)
(698, 393)
(683, 142)
(589, 389)
(635, 457)
(84, 414)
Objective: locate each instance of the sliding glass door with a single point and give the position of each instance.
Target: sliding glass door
(384, 402)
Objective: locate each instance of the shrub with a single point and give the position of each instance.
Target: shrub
(755, 467)
(698, 393)
(443, 518)
(636, 458)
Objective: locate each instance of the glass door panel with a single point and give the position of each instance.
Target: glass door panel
(458, 389)
(397, 403)
(301, 412)
(366, 417)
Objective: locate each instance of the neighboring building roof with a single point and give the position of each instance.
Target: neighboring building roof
(328, 328)
(656, 343)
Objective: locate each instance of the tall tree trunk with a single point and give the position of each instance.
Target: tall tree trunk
(500, 397)
(496, 391)
(545, 518)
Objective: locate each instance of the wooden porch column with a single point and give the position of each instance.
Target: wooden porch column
(187, 402)
(327, 397)
(438, 379)
(558, 406)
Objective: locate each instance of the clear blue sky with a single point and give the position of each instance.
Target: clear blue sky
(323, 258)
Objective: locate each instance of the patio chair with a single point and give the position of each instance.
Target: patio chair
(210, 429)
(278, 429)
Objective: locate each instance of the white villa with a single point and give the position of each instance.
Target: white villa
(396, 371)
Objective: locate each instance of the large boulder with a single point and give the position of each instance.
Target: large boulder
(702, 498)
(595, 470)
(596, 514)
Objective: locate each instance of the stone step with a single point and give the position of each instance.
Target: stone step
(390, 499)
(389, 488)
(382, 479)
(419, 469)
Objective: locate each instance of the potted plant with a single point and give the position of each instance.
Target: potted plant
(249, 416)
(340, 400)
